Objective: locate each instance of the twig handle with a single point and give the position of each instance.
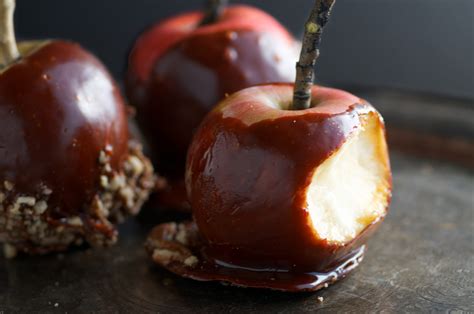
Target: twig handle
(8, 48)
(214, 9)
(309, 53)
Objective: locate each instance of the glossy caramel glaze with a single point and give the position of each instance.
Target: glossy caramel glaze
(247, 173)
(58, 109)
(159, 38)
(195, 67)
(191, 78)
(178, 248)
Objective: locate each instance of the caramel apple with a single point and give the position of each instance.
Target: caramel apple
(69, 170)
(181, 67)
(299, 190)
(286, 184)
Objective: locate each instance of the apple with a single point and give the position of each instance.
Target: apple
(69, 170)
(282, 199)
(273, 188)
(179, 69)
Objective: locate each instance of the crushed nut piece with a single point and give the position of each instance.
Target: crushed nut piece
(103, 158)
(181, 236)
(117, 183)
(127, 194)
(47, 191)
(75, 221)
(15, 209)
(27, 200)
(26, 221)
(8, 185)
(104, 181)
(191, 261)
(136, 165)
(40, 207)
(164, 256)
(107, 168)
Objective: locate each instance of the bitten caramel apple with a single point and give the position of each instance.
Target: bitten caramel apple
(286, 183)
(69, 170)
(294, 189)
(181, 67)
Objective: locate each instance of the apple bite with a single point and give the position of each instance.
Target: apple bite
(349, 191)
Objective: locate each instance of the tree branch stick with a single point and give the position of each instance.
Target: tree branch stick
(309, 53)
(213, 11)
(8, 48)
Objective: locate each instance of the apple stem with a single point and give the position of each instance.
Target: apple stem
(213, 10)
(8, 48)
(309, 53)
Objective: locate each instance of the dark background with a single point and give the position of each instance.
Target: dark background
(421, 45)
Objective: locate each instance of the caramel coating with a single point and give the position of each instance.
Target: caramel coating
(178, 72)
(63, 134)
(178, 248)
(247, 175)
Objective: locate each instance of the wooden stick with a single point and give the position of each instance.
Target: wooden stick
(214, 9)
(8, 48)
(309, 53)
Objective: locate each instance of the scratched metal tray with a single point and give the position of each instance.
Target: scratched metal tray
(422, 258)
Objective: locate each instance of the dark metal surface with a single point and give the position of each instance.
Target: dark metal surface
(421, 259)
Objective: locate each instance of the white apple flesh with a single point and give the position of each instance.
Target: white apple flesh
(349, 190)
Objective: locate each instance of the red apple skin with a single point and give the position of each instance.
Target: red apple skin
(179, 71)
(247, 170)
(160, 37)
